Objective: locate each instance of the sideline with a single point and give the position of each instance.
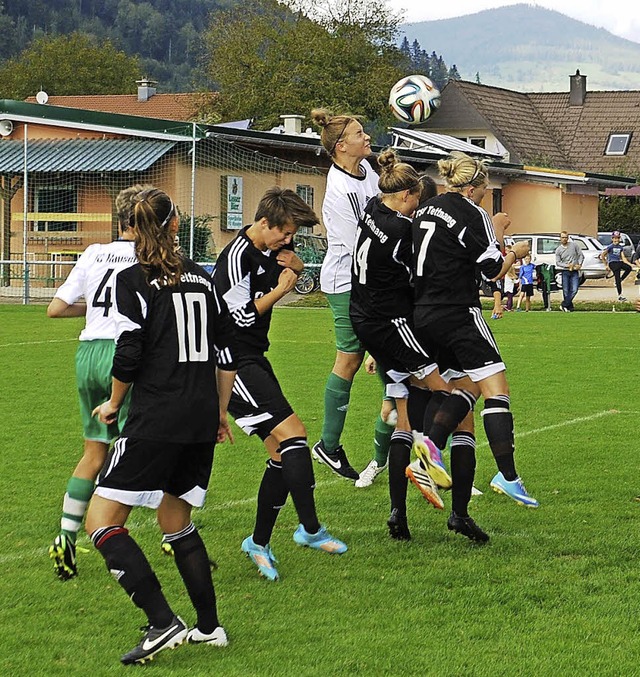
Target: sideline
(35, 343)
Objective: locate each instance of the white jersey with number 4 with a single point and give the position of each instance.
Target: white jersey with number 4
(345, 198)
(93, 277)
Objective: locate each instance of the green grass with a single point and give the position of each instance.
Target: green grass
(555, 592)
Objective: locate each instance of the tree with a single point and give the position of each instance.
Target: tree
(269, 60)
(81, 67)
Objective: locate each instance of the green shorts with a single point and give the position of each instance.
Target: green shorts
(346, 339)
(93, 376)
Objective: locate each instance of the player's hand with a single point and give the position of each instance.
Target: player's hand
(370, 365)
(289, 259)
(287, 280)
(106, 412)
(521, 249)
(501, 222)
(224, 430)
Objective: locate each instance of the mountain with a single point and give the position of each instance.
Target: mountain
(531, 49)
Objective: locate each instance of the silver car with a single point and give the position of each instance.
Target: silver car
(543, 250)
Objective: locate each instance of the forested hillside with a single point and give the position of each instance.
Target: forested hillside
(164, 33)
(529, 48)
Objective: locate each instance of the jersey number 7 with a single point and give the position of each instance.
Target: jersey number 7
(430, 227)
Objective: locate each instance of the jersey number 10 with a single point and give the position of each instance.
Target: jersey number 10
(191, 324)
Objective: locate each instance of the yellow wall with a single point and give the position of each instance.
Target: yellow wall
(546, 208)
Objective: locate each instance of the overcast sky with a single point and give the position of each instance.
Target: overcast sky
(620, 17)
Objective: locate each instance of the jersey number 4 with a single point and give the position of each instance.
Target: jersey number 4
(102, 297)
(360, 259)
(191, 323)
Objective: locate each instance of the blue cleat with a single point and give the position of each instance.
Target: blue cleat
(322, 540)
(262, 557)
(514, 490)
(431, 458)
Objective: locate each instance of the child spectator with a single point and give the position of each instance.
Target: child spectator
(525, 278)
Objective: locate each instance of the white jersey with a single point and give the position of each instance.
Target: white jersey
(93, 277)
(345, 198)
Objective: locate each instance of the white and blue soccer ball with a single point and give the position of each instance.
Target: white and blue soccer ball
(413, 99)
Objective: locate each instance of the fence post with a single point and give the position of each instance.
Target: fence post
(25, 207)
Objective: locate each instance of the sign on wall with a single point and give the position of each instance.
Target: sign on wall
(232, 202)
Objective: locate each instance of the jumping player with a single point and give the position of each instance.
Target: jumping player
(381, 312)
(351, 182)
(92, 279)
(252, 273)
(174, 344)
(452, 235)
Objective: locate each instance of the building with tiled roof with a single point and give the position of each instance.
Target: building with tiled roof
(183, 107)
(597, 132)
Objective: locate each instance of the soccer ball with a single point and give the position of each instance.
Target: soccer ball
(413, 99)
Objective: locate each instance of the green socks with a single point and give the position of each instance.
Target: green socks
(382, 440)
(74, 505)
(336, 403)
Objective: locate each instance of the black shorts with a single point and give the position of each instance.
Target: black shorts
(395, 348)
(463, 342)
(257, 403)
(527, 289)
(139, 472)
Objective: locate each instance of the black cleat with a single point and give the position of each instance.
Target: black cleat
(63, 554)
(155, 640)
(398, 528)
(467, 527)
(336, 460)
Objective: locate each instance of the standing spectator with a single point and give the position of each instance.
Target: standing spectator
(616, 261)
(174, 343)
(569, 260)
(253, 272)
(545, 278)
(510, 284)
(88, 292)
(525, 280)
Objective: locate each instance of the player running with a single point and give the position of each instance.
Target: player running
(174, 344)
(92, 279)
(252, 273)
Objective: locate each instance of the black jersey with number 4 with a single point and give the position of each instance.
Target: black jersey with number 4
(451, 236)
(170, 341)
(381, 272)
(242, 274)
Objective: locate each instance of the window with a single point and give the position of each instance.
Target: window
(306, 193)
(548, 245)
(477, 141)
(618, 144)
(50, 201)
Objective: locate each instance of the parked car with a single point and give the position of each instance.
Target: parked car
(543, 250)
(629, 248)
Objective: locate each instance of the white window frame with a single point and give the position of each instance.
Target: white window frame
(617, 136)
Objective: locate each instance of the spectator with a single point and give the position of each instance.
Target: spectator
(615, 260)
(569, 260)
(525, 279)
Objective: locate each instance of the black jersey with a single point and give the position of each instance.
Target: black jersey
(170, 339)
(244, 273)
(381, 271)
(451, 237)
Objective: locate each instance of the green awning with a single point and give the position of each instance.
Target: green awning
(81, 155)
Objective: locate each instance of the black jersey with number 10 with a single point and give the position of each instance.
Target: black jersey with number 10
(170, 341)
(451, 237)
(381, 273)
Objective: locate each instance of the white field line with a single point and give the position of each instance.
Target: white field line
(35, 343)
(564, 424)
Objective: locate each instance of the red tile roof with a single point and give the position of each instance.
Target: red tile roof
(178, 107)
(543, 129)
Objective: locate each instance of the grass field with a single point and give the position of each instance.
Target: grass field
(555, 592)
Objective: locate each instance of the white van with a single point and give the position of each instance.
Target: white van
(543, 250)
